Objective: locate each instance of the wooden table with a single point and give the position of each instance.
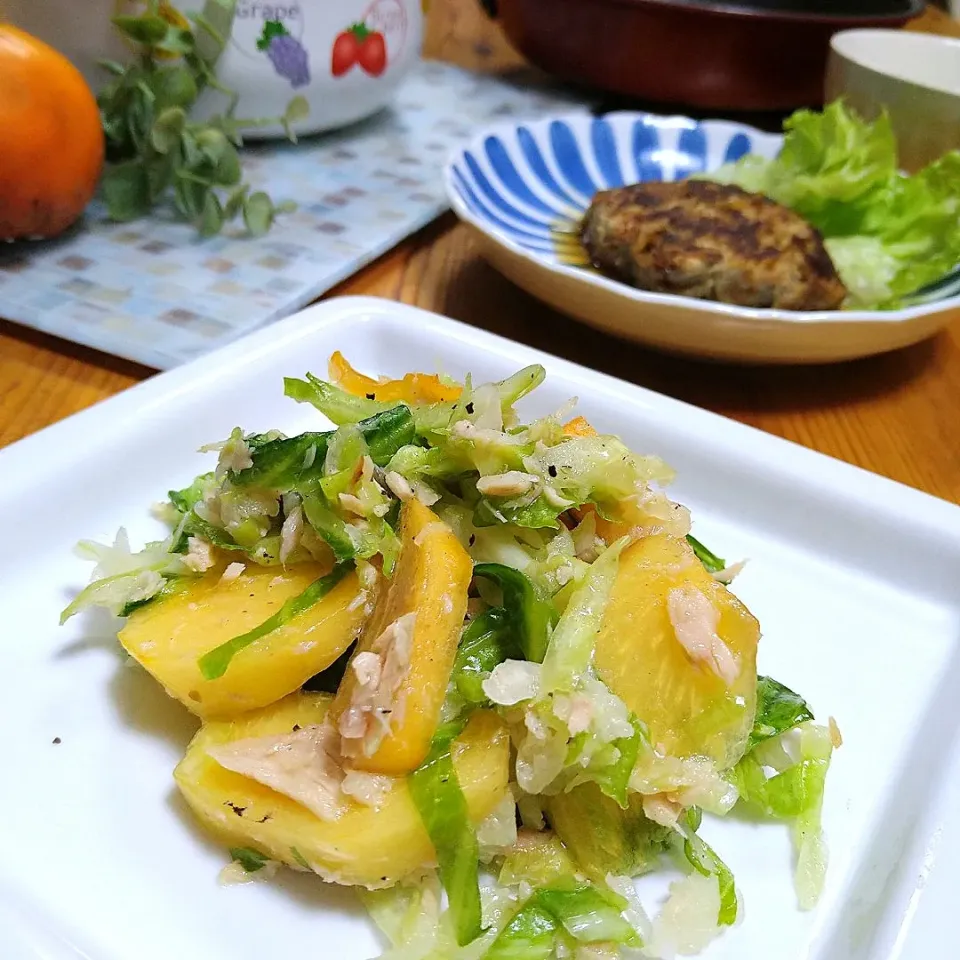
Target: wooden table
(896, 414)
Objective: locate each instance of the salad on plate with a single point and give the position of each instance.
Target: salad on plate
(477, 668)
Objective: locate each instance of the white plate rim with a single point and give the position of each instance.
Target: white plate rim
(167, 387)
(18, 462)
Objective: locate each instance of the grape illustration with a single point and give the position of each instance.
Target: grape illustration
(286, 53)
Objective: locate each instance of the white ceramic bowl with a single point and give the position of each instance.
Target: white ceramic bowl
(518, 185)
(915, 77)
(277, 50)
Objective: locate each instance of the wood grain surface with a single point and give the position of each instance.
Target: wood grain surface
(897, 414)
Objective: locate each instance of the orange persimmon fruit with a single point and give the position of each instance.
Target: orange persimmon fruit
(51, 141)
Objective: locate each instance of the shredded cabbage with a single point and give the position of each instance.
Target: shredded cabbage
(121, 577)
(793, 793)
(545, 510)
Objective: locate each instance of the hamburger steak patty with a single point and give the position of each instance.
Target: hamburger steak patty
(711, 241)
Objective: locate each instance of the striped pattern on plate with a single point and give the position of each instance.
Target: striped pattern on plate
(533, 182)
(524, 187)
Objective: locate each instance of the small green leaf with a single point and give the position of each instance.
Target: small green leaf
(189, 149)
(176, 87)
(251, 860)
(139, 117)
(711, 562)
(297, 109)
(227, 171)
(235, 201)
(177, 40)
(111, 66)
(211, 220)
(258, 213)
(148, 29)
(285, 206)
(487, 641)
(159, 177)
(531, 614)
(778, 709)
(299, 857)
(212, 143)
(189, 196)
(126, 191)
(702, 857)
(215, 22)
(291, 134)
(167, 128)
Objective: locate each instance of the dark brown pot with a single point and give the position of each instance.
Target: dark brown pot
(703, 55)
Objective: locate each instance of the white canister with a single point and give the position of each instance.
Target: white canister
(346, 58)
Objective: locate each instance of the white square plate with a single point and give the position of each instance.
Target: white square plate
(854, 580)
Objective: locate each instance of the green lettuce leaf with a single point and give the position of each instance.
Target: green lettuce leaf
(778, 709)
(711, 562)
(330, 526)
(571, 644)
(531, 614)
(832, 167)
(917, 220)
(284, 463)
(288, 463)
(187, 498)
(565, 913)
(614, 778)
(443, 810)
(531, 935)
(538, 858)
(888, 234)
(194, 526)
(701, 856)
(488, 640)
(251, 860)
(214, 663)
(539, 515)
(794, 794)
(335, 404)
(519, 384)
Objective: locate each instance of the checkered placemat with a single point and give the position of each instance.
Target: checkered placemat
(153, 292)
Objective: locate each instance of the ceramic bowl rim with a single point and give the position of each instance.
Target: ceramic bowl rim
(666, 300)
(904, 38)
(912, 8)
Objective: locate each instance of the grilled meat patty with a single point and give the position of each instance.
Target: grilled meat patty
(712, 241)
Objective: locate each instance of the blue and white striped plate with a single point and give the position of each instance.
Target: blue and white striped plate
(525, 186)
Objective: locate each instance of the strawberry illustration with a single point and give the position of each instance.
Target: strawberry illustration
(373, 53)
(358, 44)
(344, 54)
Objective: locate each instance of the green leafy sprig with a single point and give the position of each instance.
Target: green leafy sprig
(155, 152)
